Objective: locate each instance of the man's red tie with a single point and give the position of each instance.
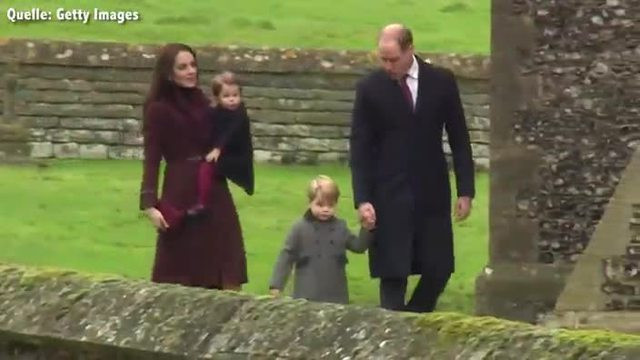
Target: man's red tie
(406, 91)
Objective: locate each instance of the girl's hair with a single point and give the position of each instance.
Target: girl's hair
(225, 78)
(162, 88)
(324, 187)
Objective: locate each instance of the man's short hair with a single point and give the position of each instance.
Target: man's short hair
(404, 37)
(405, 40)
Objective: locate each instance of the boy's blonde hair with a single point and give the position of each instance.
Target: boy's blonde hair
(224, 78)
(324, 187)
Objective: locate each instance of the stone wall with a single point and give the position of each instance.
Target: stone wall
(622, 272)
(565, 119)
(586, 117)
(57, 314)
(84, 99)
(604, 287)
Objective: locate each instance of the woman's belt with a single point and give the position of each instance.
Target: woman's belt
(195, 158)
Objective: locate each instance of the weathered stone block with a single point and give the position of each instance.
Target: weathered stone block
(478, 123)
(57, 135)
(480, 150)
(477, 110)
(263, 156)
(272, 143)
(88, 136)
(139, 88)
(304, 157)
(481, 164)
(91, 124)
(85, 73)
(42, 122)
(319, 131)
(125, 152)
(266, 129)
(475, 99)
(14, 151)
(41, 149)
(300, 117)
(472, 87)
(313, 144)
(83, 85)
(132, 138)
(93, 151)
(129, 125)
(481, 137)
(13, 133)
(61, 84)
(300, 94)
(301, 81)
(79, 110)
(66, 150)
(298, 105)
(36, 135)
(333, 157)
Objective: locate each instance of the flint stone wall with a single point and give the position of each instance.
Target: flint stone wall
(565, 121)
(584, 116)
(56, 314)
(622, 272)
(83, 100)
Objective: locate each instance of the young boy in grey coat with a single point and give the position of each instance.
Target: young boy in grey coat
(317, 245)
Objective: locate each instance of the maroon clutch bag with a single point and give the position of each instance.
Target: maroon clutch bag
(172, 216)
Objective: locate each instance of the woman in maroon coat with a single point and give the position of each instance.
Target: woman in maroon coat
(206, 251)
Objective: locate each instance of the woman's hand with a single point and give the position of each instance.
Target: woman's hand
(213, 155)
(156, 218)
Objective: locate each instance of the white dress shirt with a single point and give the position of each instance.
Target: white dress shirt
(412, 80)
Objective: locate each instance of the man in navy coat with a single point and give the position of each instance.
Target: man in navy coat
(400, 174)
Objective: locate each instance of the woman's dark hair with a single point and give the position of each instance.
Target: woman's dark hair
(162, 88)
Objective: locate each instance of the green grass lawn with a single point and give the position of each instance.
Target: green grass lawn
(83, 215)
(439, 25)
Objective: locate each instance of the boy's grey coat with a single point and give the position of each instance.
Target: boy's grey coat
(318, 251)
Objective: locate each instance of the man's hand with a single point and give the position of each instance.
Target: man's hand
(463, 208)
(367, 215)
